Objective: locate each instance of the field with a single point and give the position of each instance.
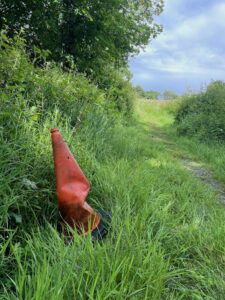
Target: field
(167, 239)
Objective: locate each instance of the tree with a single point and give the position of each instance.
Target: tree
(169, 95)
(90, 32)
(140, 91)
(152, 95)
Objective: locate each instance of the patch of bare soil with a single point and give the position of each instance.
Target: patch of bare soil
(205, 175)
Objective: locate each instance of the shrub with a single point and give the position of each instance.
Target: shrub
(203, 114)
(117, 87)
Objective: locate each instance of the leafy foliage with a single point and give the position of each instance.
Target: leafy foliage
(169, 95)
(93, 37)
(140, 91)
(203, 115)
(150, 95)
(50, 87)
(93, 33)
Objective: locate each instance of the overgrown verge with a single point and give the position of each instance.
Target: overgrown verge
(32, 101)
(202, 115)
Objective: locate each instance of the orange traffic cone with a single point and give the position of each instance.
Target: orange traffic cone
(72, 189)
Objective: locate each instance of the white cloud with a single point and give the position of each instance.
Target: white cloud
(188, 46)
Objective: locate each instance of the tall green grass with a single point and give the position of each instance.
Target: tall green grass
(167, 238)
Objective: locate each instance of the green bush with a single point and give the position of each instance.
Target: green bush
(117, 87)
(43, 89)
(203, 115)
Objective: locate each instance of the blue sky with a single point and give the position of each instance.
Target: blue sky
(189, 53)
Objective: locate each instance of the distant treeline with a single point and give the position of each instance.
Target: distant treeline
(155, 95)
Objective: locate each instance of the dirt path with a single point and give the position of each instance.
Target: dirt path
(205, 175)
(195, 168)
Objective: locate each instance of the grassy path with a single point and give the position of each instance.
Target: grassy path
(198, 170)
(162, 132)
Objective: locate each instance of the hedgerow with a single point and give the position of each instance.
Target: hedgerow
(203, 115)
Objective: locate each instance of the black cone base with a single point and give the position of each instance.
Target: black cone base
(103, 228)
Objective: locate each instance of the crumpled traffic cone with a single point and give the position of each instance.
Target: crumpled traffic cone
(72, 189)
